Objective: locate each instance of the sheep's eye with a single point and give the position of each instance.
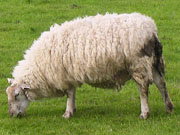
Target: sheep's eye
(16, 96)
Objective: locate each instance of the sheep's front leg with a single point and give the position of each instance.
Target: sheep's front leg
(144, 102)
(70, 107)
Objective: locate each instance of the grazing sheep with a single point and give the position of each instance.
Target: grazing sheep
(102, 50)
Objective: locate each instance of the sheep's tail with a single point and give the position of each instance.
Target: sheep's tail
(159, 61)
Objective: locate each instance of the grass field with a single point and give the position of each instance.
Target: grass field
(99, 111)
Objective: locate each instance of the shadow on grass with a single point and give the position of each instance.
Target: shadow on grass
(129, 112)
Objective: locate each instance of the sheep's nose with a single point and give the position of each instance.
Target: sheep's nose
(11, 114)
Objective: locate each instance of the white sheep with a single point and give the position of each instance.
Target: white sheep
(102, 50)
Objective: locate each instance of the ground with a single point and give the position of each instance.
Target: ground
(99, 111)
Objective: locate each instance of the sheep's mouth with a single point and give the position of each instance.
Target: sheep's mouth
(18, 115)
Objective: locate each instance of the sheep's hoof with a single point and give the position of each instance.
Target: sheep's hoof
(169, 107)
(144, 115)
(67, 114)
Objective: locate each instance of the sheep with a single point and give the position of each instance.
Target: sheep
(102, 50)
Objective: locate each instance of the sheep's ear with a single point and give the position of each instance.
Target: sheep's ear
(10, 80)
(25, 87)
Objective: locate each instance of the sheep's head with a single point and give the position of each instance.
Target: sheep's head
(17, 100)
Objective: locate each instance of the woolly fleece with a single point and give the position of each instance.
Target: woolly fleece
(103, 50)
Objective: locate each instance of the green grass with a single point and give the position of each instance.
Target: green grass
(99, 111)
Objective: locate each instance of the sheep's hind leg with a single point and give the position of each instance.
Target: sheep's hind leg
(161, 85)
(71, 106)
(143, 84)
(144, 101)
